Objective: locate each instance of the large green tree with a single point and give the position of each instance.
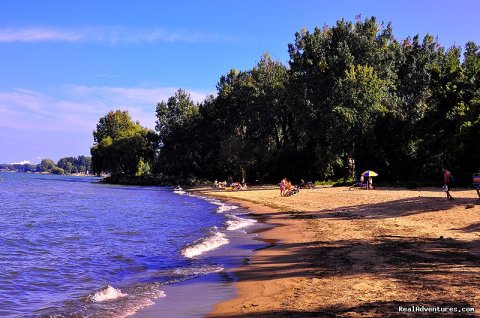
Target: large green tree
(121, 146)
(177, 127)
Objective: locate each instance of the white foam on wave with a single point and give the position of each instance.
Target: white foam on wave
(224, 208)
(209, 243)
(136, 304)
(198, 270)
(237, 223)
(179, 191)
(107, 293)
(214, 201)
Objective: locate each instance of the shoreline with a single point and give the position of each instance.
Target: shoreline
(357, 253)
(247, 292)
(204, 291)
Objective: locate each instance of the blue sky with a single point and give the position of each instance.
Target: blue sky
(65, 64)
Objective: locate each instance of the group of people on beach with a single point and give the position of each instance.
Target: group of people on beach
(286, 188)
(229, 185)
(448, 179)
(362, 184)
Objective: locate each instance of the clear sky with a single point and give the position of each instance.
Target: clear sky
(65, 64)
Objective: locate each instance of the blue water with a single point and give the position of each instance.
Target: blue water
(70, 246)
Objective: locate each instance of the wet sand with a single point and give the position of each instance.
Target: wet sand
(196, 296)
(358, 253)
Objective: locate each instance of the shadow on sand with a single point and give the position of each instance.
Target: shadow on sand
(383, 210)
(438, 271)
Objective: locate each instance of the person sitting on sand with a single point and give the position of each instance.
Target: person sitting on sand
(293, 190)
(288, 186)
(370, 183)
(289, 189)
(360, 184)
(306, 185)
(447, 183)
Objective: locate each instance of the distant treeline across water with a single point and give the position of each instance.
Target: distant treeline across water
(67, 165)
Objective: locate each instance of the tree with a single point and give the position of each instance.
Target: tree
(361, 101)
(47, 165)
(177, 125)
(324, 65)
(121, 146)
(80, 164)
(114, 125)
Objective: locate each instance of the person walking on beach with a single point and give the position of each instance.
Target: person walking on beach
(476, 183)
(447, 183)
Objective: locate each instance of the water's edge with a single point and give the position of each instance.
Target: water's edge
(197, 297)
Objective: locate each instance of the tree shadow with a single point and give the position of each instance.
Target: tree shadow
(381, 210)
(371, 309)
(437, 271)
(385, 256)
(475, 227)
(438, 268)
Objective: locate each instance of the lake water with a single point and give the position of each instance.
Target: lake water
(72, 247)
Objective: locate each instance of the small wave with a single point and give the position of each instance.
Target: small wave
(179, 190)
(138, 304)
(209, 243)
(198, 270)
(214, 201)
(107, 293)
(224, 208)
(237, 223)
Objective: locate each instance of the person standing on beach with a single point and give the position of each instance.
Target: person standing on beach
(476, 183)
(283, 185)
(447, 182)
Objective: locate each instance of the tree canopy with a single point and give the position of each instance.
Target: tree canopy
(122, 147)
(350, 95)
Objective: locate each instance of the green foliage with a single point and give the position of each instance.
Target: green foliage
(47, 165)
(26, 167)
(66, 165)
(351, 93)
(177, 122)
(80, 164)
(122, 147)
(114, 125)
(57, 170)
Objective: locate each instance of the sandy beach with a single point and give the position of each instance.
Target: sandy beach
(358, 253)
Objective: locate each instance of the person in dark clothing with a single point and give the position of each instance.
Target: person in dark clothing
(447, 183)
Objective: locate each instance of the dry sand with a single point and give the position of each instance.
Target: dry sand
(359, 253)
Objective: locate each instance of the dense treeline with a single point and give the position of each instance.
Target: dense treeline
(67, 165)
(352, 97)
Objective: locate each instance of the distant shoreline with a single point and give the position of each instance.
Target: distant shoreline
(49, 173)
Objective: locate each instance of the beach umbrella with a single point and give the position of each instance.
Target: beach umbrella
(369, 173)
